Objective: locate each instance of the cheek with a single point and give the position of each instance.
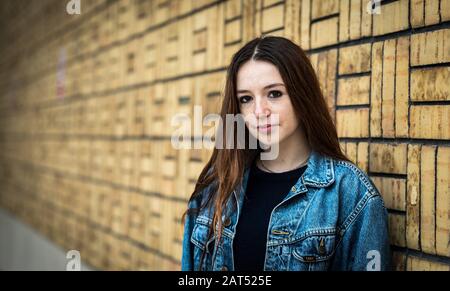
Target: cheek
(248, 117)
(285, 113)
(291, 118)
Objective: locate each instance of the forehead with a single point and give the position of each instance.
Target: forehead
(254, 75)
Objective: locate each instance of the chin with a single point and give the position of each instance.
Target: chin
(266, 140)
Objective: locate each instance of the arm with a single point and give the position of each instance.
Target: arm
(187, 263)
(365, 243)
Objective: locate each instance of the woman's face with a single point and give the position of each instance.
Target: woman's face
(262, 97)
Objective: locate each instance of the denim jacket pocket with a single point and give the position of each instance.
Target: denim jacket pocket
(199, 239)
(313, 253)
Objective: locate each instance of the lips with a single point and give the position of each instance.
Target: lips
(266, 128)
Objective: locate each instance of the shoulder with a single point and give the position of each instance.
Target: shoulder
(201, 197)
(202, 203)
(352, 178)
(355, 190)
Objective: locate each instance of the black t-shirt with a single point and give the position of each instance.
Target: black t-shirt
(264, 191)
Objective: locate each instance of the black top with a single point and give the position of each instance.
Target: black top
(264, 191)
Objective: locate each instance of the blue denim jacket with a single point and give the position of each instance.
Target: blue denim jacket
(333, 218)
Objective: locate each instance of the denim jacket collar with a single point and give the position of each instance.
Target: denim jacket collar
(319, 173)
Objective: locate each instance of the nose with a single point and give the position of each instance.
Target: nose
(261, 108)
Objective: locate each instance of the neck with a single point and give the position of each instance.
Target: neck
(293, 151)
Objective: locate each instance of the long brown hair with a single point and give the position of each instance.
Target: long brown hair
(226, 166)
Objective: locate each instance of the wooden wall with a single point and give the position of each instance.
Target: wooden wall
(86, 103)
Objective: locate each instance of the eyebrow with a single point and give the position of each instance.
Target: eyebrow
(266, 87)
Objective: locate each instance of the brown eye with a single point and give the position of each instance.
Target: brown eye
(275, 94)
(244, 99)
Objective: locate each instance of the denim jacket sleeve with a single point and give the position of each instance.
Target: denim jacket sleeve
(365, 242)
(187, 263)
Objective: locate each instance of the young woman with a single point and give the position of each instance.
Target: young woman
(308, 208)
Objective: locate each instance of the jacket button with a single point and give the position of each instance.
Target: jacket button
(322, 249)
(227, 222)
(224, 268)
